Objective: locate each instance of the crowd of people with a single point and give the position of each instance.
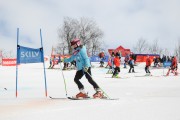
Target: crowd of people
(159, 61)
(114, 63)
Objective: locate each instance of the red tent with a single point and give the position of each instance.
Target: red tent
(120, 49)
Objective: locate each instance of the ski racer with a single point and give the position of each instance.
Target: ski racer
(148, 64)
(83, 68)
(117, 62)
(173, 67)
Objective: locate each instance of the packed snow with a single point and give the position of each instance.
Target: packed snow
(140, 98)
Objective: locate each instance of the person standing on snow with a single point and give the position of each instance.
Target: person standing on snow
(148, 64)
(117, 62)
(131, 64)
(83, 68)
(102, 58)
(50, 63)
(111, 64)
(173, 67)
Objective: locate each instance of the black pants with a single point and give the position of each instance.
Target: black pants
(79, 75)
(147, 69)
(116, 70)
(131, 67)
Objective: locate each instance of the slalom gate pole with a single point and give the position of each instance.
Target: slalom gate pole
(43, 64)
(63, 79)
(98, 85)
(17, 63)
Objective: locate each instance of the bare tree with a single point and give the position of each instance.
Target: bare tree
(96, 49)
(154, 48)
(141, 46)
(66, 33)
(166, 52)
(7, 54)
(85, 29)
(89, 32)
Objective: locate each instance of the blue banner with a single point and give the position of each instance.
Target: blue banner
(166, 64)
(29, 55)
(98, 59)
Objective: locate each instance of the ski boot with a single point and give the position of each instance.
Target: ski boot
(117, 76)
(98, 94)
(81, 95)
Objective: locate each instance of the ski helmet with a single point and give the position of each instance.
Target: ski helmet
(76, 41)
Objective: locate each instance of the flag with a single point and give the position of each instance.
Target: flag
(29, 55)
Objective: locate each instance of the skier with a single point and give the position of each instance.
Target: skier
(53, 62)
(50, 63)
(111, 64)
(117, 62)
(83, 67)
(148, 64)
(119, 54)
(131, 64)
(157, 61)
(173, 67)
(102, 57)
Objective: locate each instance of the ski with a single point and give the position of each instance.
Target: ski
(90, 98)
(143, 76)
(118, 77)
(73, 98)
(147, 76)
(57, 98)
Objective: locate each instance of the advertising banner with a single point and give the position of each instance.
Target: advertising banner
(8, 62)
(97, 59)
(29, 55)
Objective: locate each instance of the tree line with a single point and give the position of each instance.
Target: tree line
(143, 47)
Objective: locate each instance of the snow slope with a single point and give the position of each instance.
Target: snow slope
(140, 98)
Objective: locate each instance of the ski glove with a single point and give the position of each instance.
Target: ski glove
(86, 69)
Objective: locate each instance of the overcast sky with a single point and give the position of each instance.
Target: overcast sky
(122, 21)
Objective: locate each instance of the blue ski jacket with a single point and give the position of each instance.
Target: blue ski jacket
(81, 58)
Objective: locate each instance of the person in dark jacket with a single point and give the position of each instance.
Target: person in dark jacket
(131, 64)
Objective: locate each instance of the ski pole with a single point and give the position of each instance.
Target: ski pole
(63, 79)
(98, 85)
